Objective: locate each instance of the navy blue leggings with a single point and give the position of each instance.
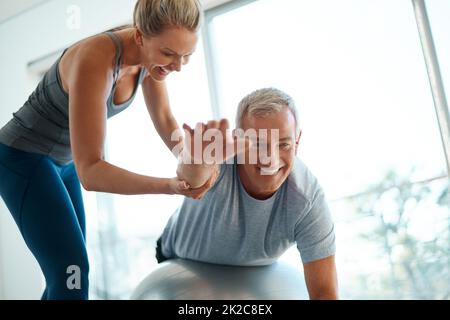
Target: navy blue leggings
(45, 200)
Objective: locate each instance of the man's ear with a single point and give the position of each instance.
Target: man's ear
(297, 141)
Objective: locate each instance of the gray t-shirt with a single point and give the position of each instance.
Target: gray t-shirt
(228, 226)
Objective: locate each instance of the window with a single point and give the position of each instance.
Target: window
(438, 12)
(357, 73)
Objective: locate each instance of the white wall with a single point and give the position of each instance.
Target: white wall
(25, 38)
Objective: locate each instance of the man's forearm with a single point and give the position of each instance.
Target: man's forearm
(321, 279)
(325, 296)
(195, 175)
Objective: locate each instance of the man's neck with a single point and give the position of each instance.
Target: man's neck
(246, 184)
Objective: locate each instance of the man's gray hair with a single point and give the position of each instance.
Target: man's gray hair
(266, 101)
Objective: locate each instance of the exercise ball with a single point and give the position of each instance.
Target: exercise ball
(181, 279)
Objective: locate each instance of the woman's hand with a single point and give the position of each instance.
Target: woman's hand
(180, 187)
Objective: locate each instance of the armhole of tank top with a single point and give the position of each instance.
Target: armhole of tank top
(64, 51)
(118, 60)
(142, 75)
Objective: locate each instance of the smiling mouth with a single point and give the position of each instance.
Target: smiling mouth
(162, 71)
(269, 171)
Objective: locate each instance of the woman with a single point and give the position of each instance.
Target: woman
(56, 139)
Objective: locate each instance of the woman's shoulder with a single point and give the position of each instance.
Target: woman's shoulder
(95, 54)
(97, 48)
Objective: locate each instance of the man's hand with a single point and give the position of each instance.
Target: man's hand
(210, 143)
(204, 149)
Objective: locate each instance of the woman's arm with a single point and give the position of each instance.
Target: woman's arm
(201, 178)
(158, 106)
(89, 83)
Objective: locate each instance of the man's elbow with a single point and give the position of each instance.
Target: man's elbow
(194, 177)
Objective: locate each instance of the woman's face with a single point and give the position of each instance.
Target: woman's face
(167, 51)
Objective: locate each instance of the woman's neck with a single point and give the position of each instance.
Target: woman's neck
(131, 55)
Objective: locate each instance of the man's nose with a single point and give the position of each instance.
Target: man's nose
(268, 158)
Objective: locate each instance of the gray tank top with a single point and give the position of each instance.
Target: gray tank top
(41, 125)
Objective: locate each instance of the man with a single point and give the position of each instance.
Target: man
(255, 211)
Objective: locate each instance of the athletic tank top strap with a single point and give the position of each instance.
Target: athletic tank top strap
(119, 50)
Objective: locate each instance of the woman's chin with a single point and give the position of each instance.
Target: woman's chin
(157, 77)
(157, 74)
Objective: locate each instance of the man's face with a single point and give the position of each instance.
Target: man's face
(261, 180)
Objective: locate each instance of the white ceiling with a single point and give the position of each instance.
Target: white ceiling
(10, 8)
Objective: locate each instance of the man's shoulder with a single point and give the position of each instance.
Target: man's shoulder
(224, 178)
(301, 182)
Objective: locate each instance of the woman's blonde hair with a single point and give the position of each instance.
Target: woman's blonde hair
(152, 16)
